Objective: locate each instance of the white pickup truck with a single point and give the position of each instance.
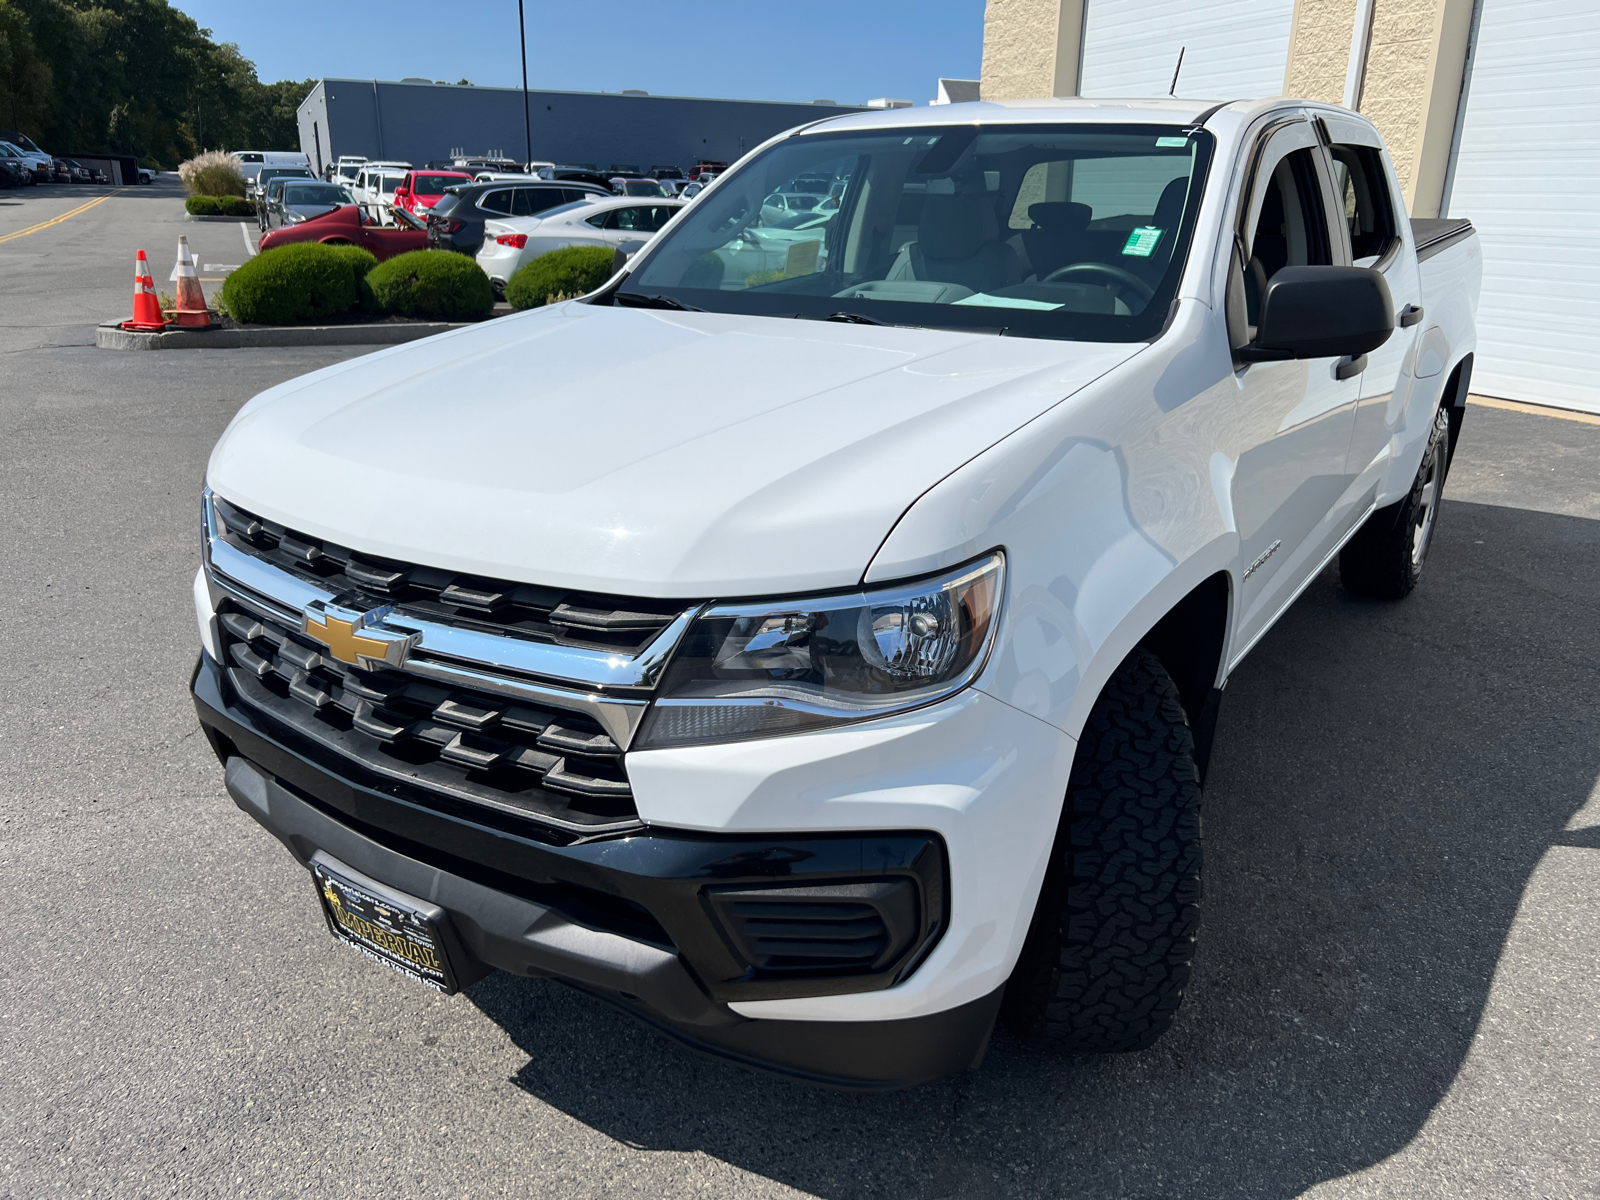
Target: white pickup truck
(826, 713)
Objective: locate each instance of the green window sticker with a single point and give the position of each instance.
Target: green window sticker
(1163, 142)
(1142, 241)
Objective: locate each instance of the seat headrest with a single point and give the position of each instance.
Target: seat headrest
(956, 226)
(1060, 216)
(1169, 209)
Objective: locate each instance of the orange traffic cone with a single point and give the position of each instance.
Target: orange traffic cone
(191, 310)
(147, 316)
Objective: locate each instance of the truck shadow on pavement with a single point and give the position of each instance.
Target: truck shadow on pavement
(1386, 779)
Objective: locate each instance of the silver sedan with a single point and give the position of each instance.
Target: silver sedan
(510, 243)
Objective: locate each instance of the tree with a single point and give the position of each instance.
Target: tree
(135, 77)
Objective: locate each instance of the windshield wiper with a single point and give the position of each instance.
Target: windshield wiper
(635, 300)
(850, 318)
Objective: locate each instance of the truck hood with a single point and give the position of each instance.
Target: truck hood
(640, 452)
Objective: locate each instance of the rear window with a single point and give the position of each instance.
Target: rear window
(447, 205)
(315, 194)
(565, 208)
(434, 185)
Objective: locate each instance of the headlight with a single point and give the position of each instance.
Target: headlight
(755, 670)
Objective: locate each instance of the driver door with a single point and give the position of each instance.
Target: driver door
(1291, 483)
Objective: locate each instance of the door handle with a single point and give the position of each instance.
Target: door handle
(1345, 368)
(1410, 315)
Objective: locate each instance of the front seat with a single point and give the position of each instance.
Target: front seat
(1056, 238)
(958, 241)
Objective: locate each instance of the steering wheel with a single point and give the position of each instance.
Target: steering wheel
(1116, 279)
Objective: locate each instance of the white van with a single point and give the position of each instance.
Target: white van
(251, 161)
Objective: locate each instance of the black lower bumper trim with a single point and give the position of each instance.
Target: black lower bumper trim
(492, 927)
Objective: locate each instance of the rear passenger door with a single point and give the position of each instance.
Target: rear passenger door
(1291, 485)
(1373, 221)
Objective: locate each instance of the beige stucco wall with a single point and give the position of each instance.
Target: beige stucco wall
(1031, 48)
(1411, 87)
(1413, 84)
(1319, 49)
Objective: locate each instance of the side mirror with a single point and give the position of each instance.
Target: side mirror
(1321, 312)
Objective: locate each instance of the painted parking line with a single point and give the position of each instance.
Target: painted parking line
(221, 267)
(249, 246)
(82, 208)
(1537, 410)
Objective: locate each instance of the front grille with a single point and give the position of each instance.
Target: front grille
(548, 764)
(579, 619)
(819, 929)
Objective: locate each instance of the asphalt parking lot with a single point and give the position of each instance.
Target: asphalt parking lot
(1397, 991)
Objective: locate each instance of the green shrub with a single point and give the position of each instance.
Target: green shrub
(214, 173)
(437, 285)
(295, 283)
(219, 206)
(574, 271)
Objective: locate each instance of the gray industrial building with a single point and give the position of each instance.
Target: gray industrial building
(419, 122)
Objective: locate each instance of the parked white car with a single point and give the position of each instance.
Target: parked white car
(348, 170)
(825, 720)
(510, 243)
(375, 185)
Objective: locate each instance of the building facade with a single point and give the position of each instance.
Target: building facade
(1490, 109)
(421, 122)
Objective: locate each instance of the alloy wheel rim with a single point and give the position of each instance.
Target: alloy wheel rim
(1427, 512)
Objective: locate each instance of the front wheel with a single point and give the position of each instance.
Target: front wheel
(1384, 560)
(1108, 953)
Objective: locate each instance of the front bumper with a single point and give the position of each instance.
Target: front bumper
(628, 919)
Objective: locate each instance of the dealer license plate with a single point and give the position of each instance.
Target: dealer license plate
(400, 931)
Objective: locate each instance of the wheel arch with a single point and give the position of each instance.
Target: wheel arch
(1189, 640)
(1453, 399)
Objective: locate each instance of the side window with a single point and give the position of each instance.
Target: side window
(655, 217)
(1359, 177)
(625, 218)
(524, 203)
(496, 202)
(598, 220)
(1290, 230)
(541, 199)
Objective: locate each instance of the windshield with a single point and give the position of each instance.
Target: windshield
(349, 172)
(315, 194)
(642, 187)
(1066, 231)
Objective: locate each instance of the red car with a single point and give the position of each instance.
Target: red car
(345, 226)
(422, 189)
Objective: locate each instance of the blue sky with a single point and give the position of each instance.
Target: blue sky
(809, 50)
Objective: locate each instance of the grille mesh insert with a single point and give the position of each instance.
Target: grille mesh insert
(543, 763)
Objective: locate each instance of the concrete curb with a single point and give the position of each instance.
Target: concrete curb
(249, 217)
(109, 337)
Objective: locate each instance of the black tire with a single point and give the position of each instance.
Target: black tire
(1108, 953)
(1385, 558)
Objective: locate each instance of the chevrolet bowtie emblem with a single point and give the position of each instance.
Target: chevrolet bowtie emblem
(356, 637)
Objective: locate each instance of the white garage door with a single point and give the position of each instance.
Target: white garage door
(1232, 49)
(1527, 171)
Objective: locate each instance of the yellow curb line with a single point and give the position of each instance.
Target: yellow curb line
(57, 220)
(1537, 410)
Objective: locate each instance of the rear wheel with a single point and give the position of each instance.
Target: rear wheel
(1108, 953)
(1384, 560)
